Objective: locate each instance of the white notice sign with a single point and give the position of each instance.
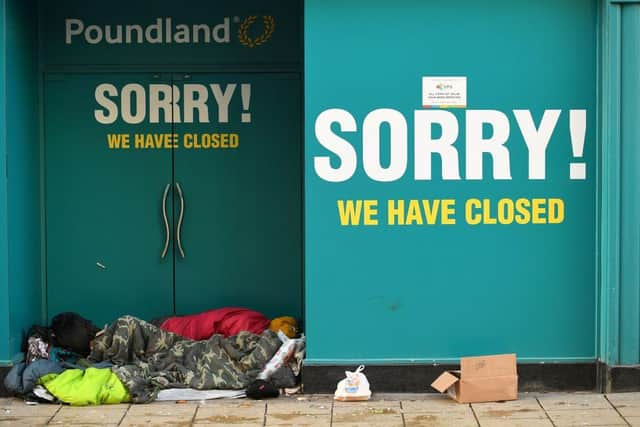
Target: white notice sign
(444, 92)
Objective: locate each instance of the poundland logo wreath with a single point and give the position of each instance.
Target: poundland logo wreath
(252, 31)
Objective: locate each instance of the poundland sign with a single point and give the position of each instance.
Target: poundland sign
(165, 31)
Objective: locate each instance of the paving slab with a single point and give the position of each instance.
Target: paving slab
(408, 396)
(89, 415)
(230, 414)
(371, 407)
(589, 417)
(627, 399)
(530, 403)
(434, 406)
(300, 408)
(227, 425)
(438, 420)
(381, 421)
(298, 420)
(160, 414)
(516, 423)
(132, 421)
(17, 408)
(457, 410)
(628, 411)
(633, 421)
(381, 412)
(517, 409)
(372, 416)
(23, 421)
(234, 405)
(305, 398)
(177, 410)
(572, 401)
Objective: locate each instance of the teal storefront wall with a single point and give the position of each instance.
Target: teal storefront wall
(619, 337)
(20, 217)
(436, 293)
(4, 242)
(361, 283)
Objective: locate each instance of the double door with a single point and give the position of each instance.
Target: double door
(173, 194)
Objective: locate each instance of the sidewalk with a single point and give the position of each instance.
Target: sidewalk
(531, 410)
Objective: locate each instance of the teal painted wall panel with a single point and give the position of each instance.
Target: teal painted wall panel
(610, 286)
(630, 189)
(234, 257)
(105, 227)
(447, 291)
(24, 170)
(620, 261)
(4, 261)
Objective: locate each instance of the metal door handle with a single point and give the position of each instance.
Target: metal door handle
(178, 233)
(166, 221)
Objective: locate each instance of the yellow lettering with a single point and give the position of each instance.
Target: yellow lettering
(224, 140)
(234, 140)
(556, 211)
(413, 213)
(472, 217)
(431, 210)
(538, 211)
(505, 211)
(206, 140)
(486, 212)
(448, 208)
(370, 210)
(522, 207)
(395, 212)
(349, 212)
(139, 141)
(118, 141)
(187, 140)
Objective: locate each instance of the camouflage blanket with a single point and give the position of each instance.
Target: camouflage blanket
(148, 359)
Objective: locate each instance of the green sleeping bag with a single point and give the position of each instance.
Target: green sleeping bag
(89, 387)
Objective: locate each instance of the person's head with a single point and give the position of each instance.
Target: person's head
(73, 332)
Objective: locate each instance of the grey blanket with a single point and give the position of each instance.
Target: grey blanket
(149, 359)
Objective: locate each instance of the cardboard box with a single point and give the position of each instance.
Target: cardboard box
(481, 379)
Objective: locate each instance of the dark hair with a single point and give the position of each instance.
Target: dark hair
(73, 332)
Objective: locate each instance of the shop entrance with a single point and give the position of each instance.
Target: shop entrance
(173, 193)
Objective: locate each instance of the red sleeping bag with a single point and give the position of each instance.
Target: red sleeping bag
(226, 321)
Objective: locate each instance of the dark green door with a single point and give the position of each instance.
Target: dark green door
(105, 231)
(241, 224)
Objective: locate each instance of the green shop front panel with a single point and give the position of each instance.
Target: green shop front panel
(477, 216)
(173, 193)
(239, 168)
(105, 231)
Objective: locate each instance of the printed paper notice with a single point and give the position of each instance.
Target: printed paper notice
(444, 92)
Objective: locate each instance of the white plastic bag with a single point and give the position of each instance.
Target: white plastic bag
(354, 387)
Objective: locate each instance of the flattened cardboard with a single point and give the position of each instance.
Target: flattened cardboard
(481, 379)
(444, 381)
